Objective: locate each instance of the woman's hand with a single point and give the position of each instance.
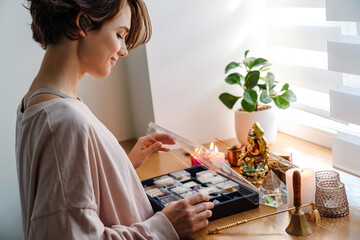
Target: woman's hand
(188, 215)
(147, 145)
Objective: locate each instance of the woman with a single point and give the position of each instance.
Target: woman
(76, 182)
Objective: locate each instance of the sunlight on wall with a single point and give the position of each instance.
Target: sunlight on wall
(232, 5)
(298, 56)
(255, 25)
(297, 16)
(308, 97)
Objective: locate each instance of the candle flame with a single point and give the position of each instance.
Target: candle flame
(212, 146)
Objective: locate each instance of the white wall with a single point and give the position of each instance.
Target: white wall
(109, 100)
(20, 57)
(192, 43)
(137, 76)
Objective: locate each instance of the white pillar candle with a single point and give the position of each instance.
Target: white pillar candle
(307, 187)
(214, 150)
(221, 156)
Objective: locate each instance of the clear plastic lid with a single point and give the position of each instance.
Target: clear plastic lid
(207, 158)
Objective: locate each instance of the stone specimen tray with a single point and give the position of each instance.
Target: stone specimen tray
(229, 197)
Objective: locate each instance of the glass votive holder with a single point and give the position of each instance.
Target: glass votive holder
(327, 175)
(330, 199)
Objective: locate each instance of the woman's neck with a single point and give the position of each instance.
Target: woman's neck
(60, 69)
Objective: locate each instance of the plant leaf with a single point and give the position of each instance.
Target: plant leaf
(228, 99)
(285, 87)
(270, 81)
(259, 61)
(249, 62)
(262, 86)
(273, 93)
(264, 97)
(247, 107)
(231, 65)
(250, 96)
(249, 100)
(289, 96)
(280, 102)
(251, 79)
(234, 78)
(266, 66)
(246, 52)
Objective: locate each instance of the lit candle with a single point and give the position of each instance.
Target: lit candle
(194, 161)
(221, 156)
(213, 149)
(307, 187)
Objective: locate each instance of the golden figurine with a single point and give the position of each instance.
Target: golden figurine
(253, 160)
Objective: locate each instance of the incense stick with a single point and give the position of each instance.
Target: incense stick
(222, 142)
(218, 229)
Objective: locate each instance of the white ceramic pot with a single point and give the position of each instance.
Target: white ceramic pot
(245, 120)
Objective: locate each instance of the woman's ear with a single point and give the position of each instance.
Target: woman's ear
(80, 24)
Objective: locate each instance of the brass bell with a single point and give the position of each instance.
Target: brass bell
(298, 225)
(314, 214)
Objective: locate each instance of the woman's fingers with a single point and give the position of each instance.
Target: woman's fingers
(197, 198)
(164, 138)
(203, 206)
(164, 149)
(200, 224)
(204, 215)
(189, 214)
(154, 147)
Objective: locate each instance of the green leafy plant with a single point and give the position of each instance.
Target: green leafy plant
(258, 85)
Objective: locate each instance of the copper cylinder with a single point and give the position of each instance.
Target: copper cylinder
(234, 154)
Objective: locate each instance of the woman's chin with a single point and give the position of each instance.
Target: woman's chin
(101, 74)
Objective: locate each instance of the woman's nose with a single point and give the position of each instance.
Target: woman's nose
(123, 52)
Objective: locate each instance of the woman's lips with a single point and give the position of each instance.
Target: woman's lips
(113, 61)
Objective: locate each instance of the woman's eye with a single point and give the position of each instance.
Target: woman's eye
(119, 36)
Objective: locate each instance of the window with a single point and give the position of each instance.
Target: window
(315, 47)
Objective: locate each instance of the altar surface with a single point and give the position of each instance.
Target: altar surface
(306, 155)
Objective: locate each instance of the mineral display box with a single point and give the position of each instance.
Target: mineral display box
(229, 197)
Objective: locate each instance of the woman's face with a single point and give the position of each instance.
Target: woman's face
(99, 50)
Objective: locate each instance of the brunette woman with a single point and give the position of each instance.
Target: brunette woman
(76, 182)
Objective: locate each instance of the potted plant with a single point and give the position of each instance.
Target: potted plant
(259, 89)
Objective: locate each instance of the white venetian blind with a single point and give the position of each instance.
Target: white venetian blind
(314, 45)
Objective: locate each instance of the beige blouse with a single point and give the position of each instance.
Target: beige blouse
(76, 181)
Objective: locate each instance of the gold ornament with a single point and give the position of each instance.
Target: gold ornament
(253, 160)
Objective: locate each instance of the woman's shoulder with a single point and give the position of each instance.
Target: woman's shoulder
(59, 112)
(69, 113)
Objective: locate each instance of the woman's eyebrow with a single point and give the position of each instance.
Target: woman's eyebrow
(124, 28)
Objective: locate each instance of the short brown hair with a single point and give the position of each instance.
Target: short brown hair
(55, 19)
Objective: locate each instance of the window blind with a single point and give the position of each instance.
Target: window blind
(314, 45)
(344, 57)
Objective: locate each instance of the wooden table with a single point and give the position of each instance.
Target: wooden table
(305, 154)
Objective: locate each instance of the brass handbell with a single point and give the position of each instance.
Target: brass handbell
(298, 225)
